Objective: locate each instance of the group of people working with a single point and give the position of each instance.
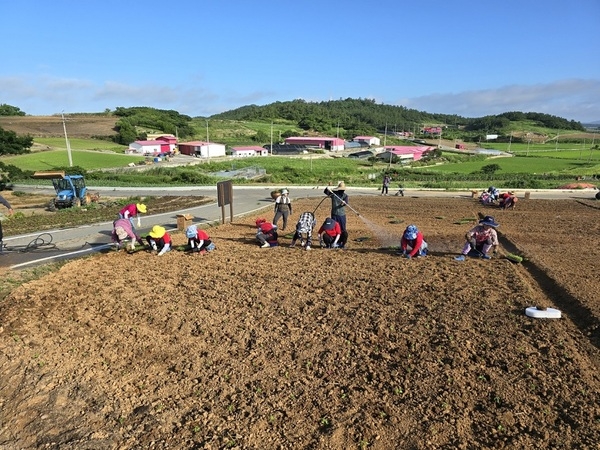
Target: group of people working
(158, 240)
(493, 197)
(332, 233)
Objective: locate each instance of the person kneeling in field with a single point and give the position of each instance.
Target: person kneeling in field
(480, 240)
(304, 228)
(198, 240)
(122, 230)
(159, 240)
(412, 243)
(508, 200)
(266, 233)
(331, 234)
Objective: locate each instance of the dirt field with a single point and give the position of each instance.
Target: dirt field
(80, 126)
(281, 348)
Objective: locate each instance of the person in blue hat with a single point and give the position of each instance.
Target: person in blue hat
(198, 240)
(480, 240)
(413, 243)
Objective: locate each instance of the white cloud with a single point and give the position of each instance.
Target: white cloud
(572, 99)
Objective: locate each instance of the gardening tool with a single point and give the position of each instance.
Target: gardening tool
(346, 204)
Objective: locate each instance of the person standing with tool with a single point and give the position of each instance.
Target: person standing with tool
(480, 239)
(339, 200)
(283, 208)
(4, 202)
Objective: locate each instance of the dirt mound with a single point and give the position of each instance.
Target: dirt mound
(328, 349)
(78, 126)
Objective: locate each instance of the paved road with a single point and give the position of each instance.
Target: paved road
(53, 245)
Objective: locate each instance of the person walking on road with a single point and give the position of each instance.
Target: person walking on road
(4, 202)
(283, 208)
(386, 185)
(339, 199)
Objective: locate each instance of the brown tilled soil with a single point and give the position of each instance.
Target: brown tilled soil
(81, 126)
(282, 348)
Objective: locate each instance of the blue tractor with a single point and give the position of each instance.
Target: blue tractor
(70, 189)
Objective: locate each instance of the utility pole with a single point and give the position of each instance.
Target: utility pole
(207, 142)
(67, 140)
(271, 138)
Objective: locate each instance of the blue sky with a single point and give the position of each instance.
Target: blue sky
(198, 57)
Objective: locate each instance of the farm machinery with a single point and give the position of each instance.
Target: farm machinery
(70, 189)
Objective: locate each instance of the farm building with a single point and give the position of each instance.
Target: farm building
(326, 143)
(365, 154)
(286, 149)
(148, 148)
(169, 139)
(241, 152)
(369, 140)
(403, 153)
(202, 149)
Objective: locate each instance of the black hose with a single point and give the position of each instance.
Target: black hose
(41, 242)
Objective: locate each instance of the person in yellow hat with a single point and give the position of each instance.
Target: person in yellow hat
(133, 210)
(159, 240)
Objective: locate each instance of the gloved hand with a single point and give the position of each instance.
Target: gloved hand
(335, 245)
(473, 243)
(407, 256)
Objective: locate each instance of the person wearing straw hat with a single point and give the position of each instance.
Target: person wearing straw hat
(133, 210)
(198, 240)
(123, 230)
(412, 243)
(283, 208)
(480, 239)
(159, 240)
(339, 200)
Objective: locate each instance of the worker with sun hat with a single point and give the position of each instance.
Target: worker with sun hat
(159, 240)
(133, 210)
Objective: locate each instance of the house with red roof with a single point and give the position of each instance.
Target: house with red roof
(326, 143)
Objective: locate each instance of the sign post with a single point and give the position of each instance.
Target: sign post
(225, 197)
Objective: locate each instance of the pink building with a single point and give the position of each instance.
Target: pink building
(326, 143)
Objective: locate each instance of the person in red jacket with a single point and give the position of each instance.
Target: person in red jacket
(133, 210)
(198, 240)
(159, 240)
(266, 233)
(331, 235)
(412, 243)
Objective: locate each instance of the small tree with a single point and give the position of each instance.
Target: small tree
(490, 169)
